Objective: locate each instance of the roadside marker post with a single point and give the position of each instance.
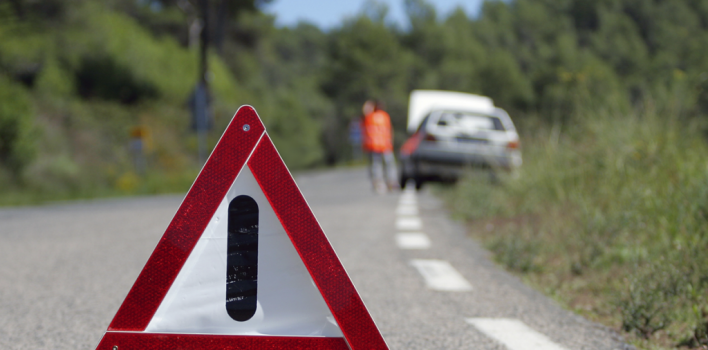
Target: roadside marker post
(244, 264)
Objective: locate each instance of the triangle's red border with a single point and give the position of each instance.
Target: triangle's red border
(226, 161)
(314, 248)
(198, 207)
(168, 341)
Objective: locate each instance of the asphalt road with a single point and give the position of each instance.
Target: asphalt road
(65, 269)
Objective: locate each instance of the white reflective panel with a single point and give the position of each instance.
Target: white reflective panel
(289, 303)
(412, 240)
(514, 334)
(408, 223)
(440, 275)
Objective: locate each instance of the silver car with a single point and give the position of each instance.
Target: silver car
(458, 131)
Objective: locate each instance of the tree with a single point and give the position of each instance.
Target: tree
(17, 148)
(365, 61)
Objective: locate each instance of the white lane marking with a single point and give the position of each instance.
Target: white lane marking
(440, 275)
(408, 192)
(407, 210)
(407, 197)
(408, 223)
(407, 201)
(514, 334)
(412, 240)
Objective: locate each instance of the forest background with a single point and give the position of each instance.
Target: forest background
(609, 96)
(76, 76)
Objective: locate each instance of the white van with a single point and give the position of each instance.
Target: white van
(453, 130)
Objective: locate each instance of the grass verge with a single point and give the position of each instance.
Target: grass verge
(609, 216)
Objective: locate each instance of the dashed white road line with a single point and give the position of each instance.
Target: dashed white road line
(407, 200)
(412, 240)
(514, 334)
(407, 210)
(440, 275)
(408, 223)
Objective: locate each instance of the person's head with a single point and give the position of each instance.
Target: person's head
(368, 107)
(379, 105)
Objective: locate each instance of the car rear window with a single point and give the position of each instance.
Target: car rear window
(469, 121)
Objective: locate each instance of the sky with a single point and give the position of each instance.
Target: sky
(328, 14)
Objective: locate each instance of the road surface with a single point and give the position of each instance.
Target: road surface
(65, 269)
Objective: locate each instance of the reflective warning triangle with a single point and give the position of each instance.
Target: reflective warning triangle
(244, 264)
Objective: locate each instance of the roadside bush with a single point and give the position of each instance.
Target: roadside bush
(648, 303)
(54, 80)
(699, 336)
(295, 134)
(621, 230)
(102, 77)
(17, 136)
(517, 254)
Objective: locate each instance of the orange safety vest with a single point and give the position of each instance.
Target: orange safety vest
(377, 132)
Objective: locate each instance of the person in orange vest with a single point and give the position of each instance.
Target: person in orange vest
(378, 144)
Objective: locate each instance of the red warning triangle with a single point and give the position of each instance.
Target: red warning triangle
(244, 264)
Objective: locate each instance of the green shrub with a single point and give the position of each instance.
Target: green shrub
(517, 254)
(621, 202)
(102, 77)
(699, 335)
(648, 303)
(17, 136)
(55, 80)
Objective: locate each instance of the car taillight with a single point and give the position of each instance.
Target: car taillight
(513, 144)
(429, 137)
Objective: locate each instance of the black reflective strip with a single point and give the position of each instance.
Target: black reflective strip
(242, 259)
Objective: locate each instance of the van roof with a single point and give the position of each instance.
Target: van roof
(422, 102)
